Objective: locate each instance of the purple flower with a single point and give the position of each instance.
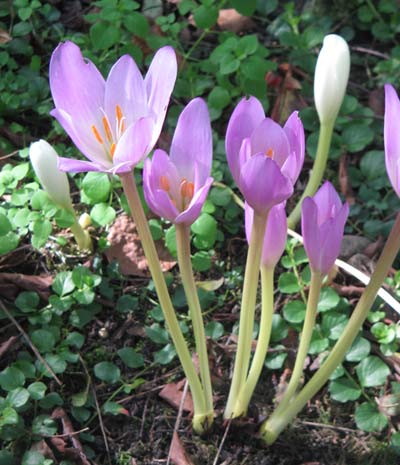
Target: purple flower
(264, 158)
(176, 186)
(392, 137)
(322, 222)
(114, 123)
(275, 233)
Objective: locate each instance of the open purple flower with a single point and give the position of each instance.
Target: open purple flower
(275, 233)
(392, 136)
(264, 158)
(176, 186)
(114, 123)
(322, 222)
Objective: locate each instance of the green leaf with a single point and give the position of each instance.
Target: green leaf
(113, 408)
(63, 283)
(344, 390)
(43, 340)
(8, 242)
(219, 98)
(333, 324)
(247, 45)
(244, 7)
(372, 371)
(104, 35)
(359, 350)
(214, 329)
(279, 328)
(27, 301)
(328, 299)
(11, 378)
(156, 229)
(6, 458)
(201, 261)
(369, 418)
(357, 136)
(205, 16)
(294, 311)
(97, 186)
(41, 232)
(18, 397)
(220, 196)
(137, 23)
(33, 458)
(5, 225)
(229, 64)
(165, 355)
(205, 226)
(43, 425)
(8, 417)
(127, 303)
(288, 283)
(157, 334)
(255, 68)
(170, 241)
(37, 390)
(131, 358)
(107, 372)
(102, 214)
(275, 360)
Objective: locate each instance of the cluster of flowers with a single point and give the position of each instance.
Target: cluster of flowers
(116, 124)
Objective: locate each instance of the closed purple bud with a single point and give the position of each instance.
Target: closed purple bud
(323, 218)
(392, 137)
(176, 186)
(275, 233)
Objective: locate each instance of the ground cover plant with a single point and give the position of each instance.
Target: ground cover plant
(90, 370)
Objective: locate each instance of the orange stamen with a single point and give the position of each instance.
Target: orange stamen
(187, 189)
(97, 134)
(107, 129)
(112, 150)
(118, 111)
(269, 153)
(164, 183)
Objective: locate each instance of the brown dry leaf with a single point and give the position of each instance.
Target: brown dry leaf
(44, 449)
(4, 37)
(230, 20)
(344, 181)
(178, 453)
(172, 393)
(11, 284)
(7, 344)
(376, 101)
(126, 248)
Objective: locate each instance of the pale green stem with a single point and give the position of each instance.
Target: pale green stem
(185, 268)
(317, 172)
(200, 420)
(257, 364)
(306, 334)
(246, 322)
(81, 236)
(276, 423)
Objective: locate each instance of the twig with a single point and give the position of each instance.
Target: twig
(72, 433)
(322, 425)
(228, 425)
(178, 418)
(371, 52)
(26, 337)
(103, 431)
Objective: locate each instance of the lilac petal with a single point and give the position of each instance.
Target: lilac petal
(134, 143)
(77, 166)
(328, 202)
(192, 141)
(295, 133)
(86, 142)
(392, 137)
(310, 232)
(77, 86)
(247, 115)
(269, 137)
(125, 88)
(159, 81)
(162, 166)
(263, 184)
(193, 211)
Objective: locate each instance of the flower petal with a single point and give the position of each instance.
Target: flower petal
(328, 201)
(247, 115)
(263, 184)
(193, 211)
(159, 81)
(134, 143)
(392, 137)
(192, 142)
(310, 232)
(295, 133)
(78, 166)
(125, 88)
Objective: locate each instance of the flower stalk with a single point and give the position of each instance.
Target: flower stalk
(277, 422)
(201, 420)
(247, 310)
(189, 285)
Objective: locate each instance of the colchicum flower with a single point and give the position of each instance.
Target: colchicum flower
(176, 186)
(322, 222)
(275, 234)
(264, 158)
(114, 123)
(392, 137)
(331, 77)
(55, 182)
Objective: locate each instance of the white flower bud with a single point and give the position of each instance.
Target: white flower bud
(54, 182)
(331, 77)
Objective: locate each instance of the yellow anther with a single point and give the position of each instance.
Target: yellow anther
(112, 150)
(107, 129)
(269, 153)
(97, 134)
(164, 183)
(187, 189)
(118, 111)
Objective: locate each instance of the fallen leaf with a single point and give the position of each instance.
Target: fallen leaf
(178, 453)
(344, 181)
(43, 448)
(126, 248)
(231, 20)
(11, 284)
(172, 393)
(212, 285)
(4, 37)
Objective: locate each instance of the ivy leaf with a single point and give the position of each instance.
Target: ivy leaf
(372, 371)
(369, 418)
